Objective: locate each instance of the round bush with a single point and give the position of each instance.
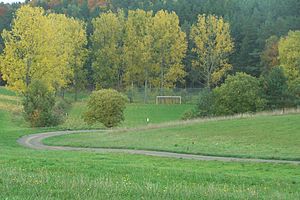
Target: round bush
(239, 94)
(106, 106)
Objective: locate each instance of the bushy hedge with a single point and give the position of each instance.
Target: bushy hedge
(276, 89)
(240, 93)
(106, 106)
(294, 89)
(38, 103)
(41, 108)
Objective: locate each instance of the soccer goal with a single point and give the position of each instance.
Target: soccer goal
(168, 100)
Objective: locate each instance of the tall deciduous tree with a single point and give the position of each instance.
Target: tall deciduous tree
(137, 49)
(169, 48)
(107, 46)
(75, 42)
(213, 45)
(40, 47)
(270, 56)
(22, 44)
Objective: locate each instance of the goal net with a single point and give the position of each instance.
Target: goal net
(168, 100)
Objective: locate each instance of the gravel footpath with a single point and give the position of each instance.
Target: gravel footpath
(34, 141)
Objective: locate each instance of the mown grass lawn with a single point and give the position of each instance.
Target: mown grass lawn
(30, 174)
(135, 115)
(273, 137)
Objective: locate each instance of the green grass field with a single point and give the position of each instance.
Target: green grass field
(135, 115)
(273, 137)
(31, 174)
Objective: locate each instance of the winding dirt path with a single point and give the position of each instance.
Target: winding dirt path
(34, 141)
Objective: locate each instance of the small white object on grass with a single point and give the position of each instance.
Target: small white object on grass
(147, 120)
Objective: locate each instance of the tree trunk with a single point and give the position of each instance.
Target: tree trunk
(27, 81)
(162, 78)
(63, 93)
(145, 91)
(76, 94)
(208, 82)
(131, 96)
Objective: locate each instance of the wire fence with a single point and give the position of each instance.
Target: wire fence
(187, 96)
(140, 95)
(149, 96)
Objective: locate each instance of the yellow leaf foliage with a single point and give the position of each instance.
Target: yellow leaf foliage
(169, 47)
(289, 54)
(107, 48)
(213, 45)
(40, 47)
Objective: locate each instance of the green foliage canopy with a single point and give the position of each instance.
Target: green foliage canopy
(38, 105)
(276, 88)
(240, 93)
(106, 106)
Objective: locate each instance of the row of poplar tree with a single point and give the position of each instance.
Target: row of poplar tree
(139, 48)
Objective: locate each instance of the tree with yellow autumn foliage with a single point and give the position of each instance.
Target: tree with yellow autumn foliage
(169, 48)
(289, 54)
(41, 47)
(107, 49)
(137, 47)
(75, 42)
(212, 45)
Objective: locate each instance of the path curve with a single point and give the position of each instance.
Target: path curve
(34, 141)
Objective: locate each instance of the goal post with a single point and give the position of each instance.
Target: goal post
(168, 100)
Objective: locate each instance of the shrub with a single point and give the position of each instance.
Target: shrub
(60, 110)
(205, 106)
(190, 114)
(239, 94)
(206, 103)
(294, 91)
(106, 106)
(38, 103)
(276, 88)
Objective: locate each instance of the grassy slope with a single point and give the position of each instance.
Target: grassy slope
(135, 115)
(261, 137)
(30, 174)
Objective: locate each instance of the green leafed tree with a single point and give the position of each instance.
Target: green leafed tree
(212, 45)
(239, 94)
(38, 105)
(276, 88)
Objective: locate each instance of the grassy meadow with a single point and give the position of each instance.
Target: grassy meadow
(135, 115)
(31, 174)
(272, 137)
